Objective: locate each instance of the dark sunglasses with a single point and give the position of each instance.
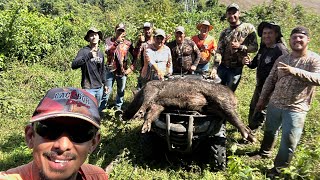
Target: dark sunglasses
(78, 133)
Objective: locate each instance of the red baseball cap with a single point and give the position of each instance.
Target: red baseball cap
(68, 102)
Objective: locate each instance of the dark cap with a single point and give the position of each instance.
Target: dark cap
(120, 26)
(93, 29)
(68, 102)
(270, 25)
(233, 5)
(300, 30)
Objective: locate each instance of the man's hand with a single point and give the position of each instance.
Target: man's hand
(213, 73)
(235, 45)
(106, 89)
(160, 75)
(246, 60)
(193, 68)
(285, 69)
(260, 105)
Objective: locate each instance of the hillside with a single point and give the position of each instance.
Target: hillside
(313, 5)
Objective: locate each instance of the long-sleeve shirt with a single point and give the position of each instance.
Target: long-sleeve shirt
(184, 55)
(117, 55)
(265, 59)
(92, 68)
(245, 34)
(295, 91)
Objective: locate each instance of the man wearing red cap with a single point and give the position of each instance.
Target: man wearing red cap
(63, 130)
(288, 91)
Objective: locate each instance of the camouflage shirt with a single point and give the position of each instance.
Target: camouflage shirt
(293, 92)
(245, 34)
(184, 56)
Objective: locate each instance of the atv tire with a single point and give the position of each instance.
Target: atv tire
(217, 153)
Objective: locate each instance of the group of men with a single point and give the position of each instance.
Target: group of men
(64, 128)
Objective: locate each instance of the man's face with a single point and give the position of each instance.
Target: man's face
(147, 31)
(179, 36)
(93, 38)
(269, 36)
(56, 155)
(233, 16)
(299, 42)
(159, 41)
(204, 29)
(120, 34)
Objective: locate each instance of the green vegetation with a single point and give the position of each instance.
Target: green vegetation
(39, 40)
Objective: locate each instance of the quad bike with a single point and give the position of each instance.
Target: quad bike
(185, 131)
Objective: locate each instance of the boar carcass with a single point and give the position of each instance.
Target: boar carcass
(185, 94)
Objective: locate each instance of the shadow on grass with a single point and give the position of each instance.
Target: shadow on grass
(125, 145)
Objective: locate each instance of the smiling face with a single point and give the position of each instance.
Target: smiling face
(233, 16)
(299, 42)
(179, 37)
(147, 31)
(93, 38)
(158, 41)
(269, 36)
(60, 158)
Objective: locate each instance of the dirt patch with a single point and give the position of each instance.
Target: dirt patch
(313, 5)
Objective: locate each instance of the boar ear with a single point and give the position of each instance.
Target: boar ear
(134, 91)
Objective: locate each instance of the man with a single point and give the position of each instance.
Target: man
(117, 50)
(271, 48)
(63, 130)
(158, 60)
(145, 39)
(290, 88)
(91, 61)
(234, 44)
(206, 44)
(185, 53)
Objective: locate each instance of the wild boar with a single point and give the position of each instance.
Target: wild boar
(185, 94)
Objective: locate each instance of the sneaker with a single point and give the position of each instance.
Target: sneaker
(256, 155)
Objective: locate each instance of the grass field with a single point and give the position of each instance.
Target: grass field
(121, 144)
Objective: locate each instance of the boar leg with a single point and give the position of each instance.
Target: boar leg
(152, 114)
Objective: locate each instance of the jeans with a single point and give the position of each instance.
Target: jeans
(97, 93)
(292, 125)
(121, 85)
(202, 68)
(230, 76)
(256, 119)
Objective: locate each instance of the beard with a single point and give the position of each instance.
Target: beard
(43, 176)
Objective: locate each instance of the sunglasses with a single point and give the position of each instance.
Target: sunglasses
(78, 133)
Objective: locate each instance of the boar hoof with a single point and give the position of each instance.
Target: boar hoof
(146, 127)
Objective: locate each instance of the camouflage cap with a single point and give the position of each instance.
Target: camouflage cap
(68, 102)
(300, 30)
(159, 32)
(93, 29)
(180, 29)
(233, 5)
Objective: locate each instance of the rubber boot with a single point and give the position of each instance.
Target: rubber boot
(267, 144)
